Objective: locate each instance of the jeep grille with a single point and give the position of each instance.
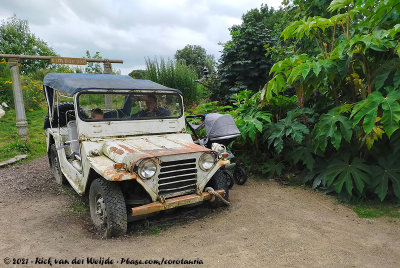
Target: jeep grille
(177, 178)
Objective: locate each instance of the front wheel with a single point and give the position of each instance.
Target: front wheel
(229, 178)
(219, 182)
(240, 175)
(55, 166)
(107, 207)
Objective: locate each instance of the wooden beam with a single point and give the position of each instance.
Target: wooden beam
(33, 57)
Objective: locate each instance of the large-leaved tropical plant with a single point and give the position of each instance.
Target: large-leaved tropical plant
(343, 170)
(376, 103)
(290, 127)
(332, 127)
(387, 171)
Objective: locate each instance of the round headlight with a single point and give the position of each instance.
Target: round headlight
(147, 169)
(207, 161)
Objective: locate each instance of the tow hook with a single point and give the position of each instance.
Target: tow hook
(211, 191)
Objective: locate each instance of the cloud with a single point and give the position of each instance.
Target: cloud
(130, 30)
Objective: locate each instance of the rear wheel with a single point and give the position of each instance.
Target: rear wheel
(55, 166)
(107, 207)
(219, 182)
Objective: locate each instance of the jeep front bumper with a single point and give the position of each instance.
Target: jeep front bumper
(172, 203)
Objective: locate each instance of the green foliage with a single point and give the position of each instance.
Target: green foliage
(6, 93)
(197, 57)
(332, 127)
(305, 155)
(337, 5)
(138, 74)
(243, 63)
(317, 175)
(10, 146)
(18, 146)
(339, 58)
(306, 74)
(32, 92)
(345, 50)
(175, 74)
(349, 172)
(375, 211)
(272, 168)
(290, 128)
(251, 123)
(249, 118)
(367, 110)
(93, 67)
(342, 170)
(387, 171)
(209, 107)
(307, 8)
(16, 38)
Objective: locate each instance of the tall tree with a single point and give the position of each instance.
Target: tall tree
(16, 38)
(196, 56)
(243, 63)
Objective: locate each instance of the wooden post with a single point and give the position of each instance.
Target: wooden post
(108, 97)
(22, 124)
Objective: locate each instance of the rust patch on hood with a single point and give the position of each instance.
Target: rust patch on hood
(130, 151)
(119, 175)
(116, 150)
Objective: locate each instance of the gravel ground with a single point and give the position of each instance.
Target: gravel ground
(268, 225)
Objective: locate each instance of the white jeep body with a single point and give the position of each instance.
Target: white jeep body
(113, 150)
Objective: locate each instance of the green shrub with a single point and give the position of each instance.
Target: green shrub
(175, 74)
(6, 93)
(33, 93)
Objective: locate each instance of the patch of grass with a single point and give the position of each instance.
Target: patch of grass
(376, 211)
(11, 146)
(151, 229)
(154, 230)
(79, 208)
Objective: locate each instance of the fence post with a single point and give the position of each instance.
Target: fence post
(22, 124)
(108, 97)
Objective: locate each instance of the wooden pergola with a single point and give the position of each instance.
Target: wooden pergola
(14, 61)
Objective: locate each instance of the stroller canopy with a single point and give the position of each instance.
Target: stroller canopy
(220, 127)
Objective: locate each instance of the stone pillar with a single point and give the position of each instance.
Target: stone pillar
(108, 97)
(22, 124)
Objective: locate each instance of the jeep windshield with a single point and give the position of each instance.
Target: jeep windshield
(128, 105)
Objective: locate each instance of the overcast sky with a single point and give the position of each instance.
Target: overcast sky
(130, 30)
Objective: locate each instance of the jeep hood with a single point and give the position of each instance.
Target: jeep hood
(130, 151)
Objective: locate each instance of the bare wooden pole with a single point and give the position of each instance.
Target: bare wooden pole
(22, 124)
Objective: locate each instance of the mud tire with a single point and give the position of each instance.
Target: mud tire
(219, 182)
(229, 178)
(107, 208)
(55, 166)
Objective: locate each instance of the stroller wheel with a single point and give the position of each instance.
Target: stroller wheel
(239, 175)
(229, 178)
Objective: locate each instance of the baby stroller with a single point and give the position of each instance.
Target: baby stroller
(220, 128)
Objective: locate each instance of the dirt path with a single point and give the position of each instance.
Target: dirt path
(267, 226)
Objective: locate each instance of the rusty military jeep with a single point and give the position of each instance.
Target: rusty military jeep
(123, 142)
